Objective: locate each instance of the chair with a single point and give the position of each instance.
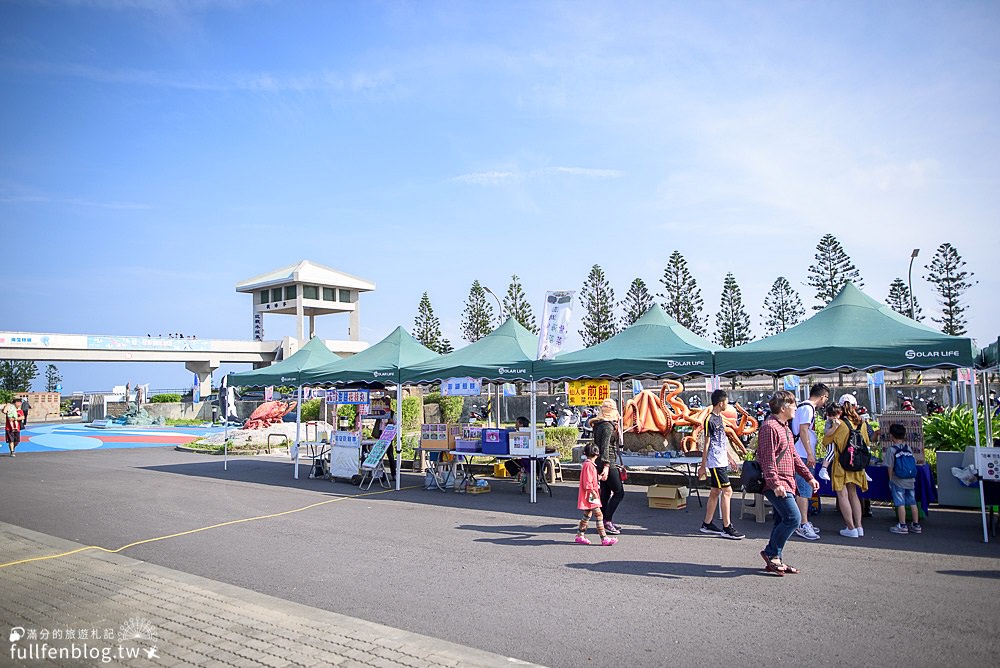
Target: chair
(758, 510)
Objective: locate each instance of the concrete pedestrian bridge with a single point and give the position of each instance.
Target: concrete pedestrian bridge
(304, 290)
(200, 356)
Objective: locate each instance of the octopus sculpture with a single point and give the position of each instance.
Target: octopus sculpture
(268, 413)
(649, 412)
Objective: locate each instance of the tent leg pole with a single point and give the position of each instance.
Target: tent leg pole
(399, 433)
(534, 449)
(975, 426)
(298, 422)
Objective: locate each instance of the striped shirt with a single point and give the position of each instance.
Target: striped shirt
(776, 455)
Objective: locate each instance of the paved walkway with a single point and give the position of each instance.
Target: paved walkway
(92, 604)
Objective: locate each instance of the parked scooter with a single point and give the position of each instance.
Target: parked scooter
(550, 416)
(569, 418)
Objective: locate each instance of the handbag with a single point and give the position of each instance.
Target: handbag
(622, 470)
(752, 475)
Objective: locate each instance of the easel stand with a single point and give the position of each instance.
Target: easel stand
(378, 472)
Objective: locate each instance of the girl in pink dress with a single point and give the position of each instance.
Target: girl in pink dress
(589, 498)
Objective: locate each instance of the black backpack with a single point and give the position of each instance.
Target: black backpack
(795, 435)
(855, 456)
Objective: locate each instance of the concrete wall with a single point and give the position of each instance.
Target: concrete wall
(177, 411)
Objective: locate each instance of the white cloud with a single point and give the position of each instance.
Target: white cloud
(504, 177)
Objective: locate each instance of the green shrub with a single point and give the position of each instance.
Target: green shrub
(953, 429)
(451, 409)
(563, 438)
(165, 399)
(412, 413)
(6, 397)
(311, 409)
(349, 411)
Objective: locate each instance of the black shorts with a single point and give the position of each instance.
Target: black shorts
(13, 436)
(718, 478)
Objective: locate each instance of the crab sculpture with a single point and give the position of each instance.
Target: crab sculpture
(649, 412)
(268, 413)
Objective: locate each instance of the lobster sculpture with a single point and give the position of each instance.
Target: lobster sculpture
(649, 412)
(268, 413)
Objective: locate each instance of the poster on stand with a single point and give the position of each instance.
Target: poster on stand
(556, 315)
(374, 458)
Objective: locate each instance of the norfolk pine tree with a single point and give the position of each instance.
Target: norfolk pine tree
(516, 304)
(52, 378)
(782, 307)
(833, 269)
(426, 326)
(16, 375)
(598, 300)
(682, 295)
(899, 300)
(732, 323)
(951, 281)
(477, 318)
(637, 301)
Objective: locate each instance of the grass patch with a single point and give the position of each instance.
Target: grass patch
(183, 422)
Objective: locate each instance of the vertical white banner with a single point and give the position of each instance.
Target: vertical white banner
(258, 326)
(556, 315)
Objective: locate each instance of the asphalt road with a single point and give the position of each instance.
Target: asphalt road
(495, 572)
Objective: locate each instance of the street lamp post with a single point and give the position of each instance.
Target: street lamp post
(909, 279)
(499, 305)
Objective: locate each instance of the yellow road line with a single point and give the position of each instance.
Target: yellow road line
(213, 526)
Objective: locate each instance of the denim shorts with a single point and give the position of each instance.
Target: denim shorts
(802, 486)
(902, 497)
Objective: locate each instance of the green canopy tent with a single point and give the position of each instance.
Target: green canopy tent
(853, 332)
(377, 366)
(654, 346)
(505, 355)
(293, 371)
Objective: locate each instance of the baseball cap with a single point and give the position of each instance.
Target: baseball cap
(848, 399)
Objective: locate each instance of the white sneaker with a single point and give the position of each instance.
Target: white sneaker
(805, 531)
(849, 533)
(824, 474)
(868, 477)
(861, 532)
(814, 528)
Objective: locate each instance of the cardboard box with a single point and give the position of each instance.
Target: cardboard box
(520, 443)
(438, 436)
(669, 497)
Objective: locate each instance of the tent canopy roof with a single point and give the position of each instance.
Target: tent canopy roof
(293, 371)
(852, 332)
(655, 345)
(504, 355)
(379, 364)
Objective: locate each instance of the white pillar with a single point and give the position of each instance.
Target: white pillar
(355, 327)
(300, 315)
(204, 372)
(312, 326)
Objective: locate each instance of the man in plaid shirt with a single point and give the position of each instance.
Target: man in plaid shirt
(779, 464)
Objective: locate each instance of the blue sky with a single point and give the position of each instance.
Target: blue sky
(154, 153)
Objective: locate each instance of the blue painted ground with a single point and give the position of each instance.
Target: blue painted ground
(56, 437)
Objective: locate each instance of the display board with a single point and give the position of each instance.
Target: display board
(353, 396)
(462, 387)
(374, 458)
(912, 422)
(588, 392)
